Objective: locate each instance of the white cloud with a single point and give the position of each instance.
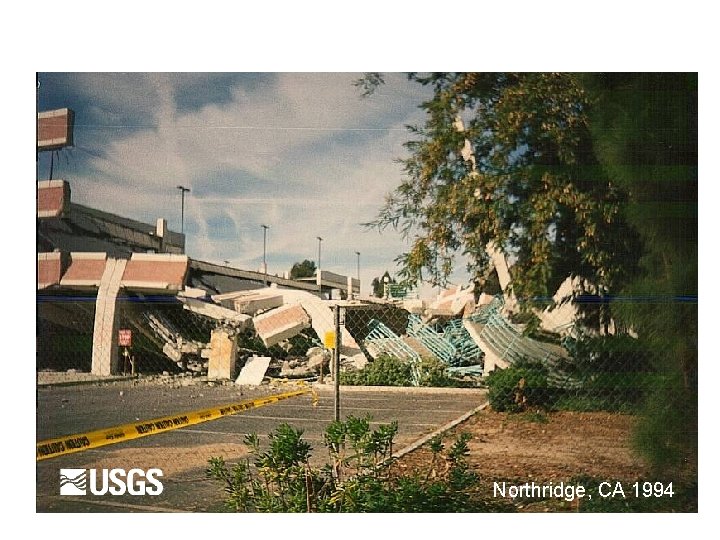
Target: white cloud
(331, 152)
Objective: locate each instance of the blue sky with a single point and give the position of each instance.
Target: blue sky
(303, 153)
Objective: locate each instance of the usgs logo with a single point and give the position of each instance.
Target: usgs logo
(112, 481)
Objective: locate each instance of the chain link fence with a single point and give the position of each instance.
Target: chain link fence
(522, 365)
(381, 343)
(155, 336)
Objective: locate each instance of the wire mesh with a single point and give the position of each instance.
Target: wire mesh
(526, 366)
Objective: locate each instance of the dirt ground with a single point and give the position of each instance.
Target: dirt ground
(579, 447)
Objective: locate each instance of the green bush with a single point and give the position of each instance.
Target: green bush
(392, 371)
(519, 387)
(383, 371)
(356, 480)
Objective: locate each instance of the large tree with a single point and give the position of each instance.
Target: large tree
(303, 269)
(589, 175)
(645, 132)
(507, 160)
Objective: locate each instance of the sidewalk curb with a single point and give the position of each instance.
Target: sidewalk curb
(403, 389)
(79, 382)
(422, 440)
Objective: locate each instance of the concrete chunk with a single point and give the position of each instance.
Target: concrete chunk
(208, 309)
(254, 370)
(223, 351)
(249, 302)
(251, 305)
(282, 323)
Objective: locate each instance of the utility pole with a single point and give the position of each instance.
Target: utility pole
(183, 190)
(358, 268)
(319, 271)
(265, 228)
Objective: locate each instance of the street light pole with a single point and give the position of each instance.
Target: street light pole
(183, 190)
(319, 271)
(358, 269)
(265, 228)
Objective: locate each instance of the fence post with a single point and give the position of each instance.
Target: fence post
(336, 363)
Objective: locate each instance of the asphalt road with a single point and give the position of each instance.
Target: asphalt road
(182, 454)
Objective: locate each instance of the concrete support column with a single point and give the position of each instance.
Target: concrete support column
(105, 344)
(223, 351)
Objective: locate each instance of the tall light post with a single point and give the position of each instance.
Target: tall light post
(358, 269)
(265, 229)
(319, 273)
(183, 190)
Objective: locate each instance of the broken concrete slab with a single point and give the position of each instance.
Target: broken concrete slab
(223, 351)
(356, 362)
(297, 372)
(193, 292)
(281, 323)
(84, 270)
(312, 351)
(254, 304)
(453, 302)
(155, 272)
(414, 305)
(51, 267)
(253, 371)
(249, 302)
(171, 352)
(214, 311)
(321, 317)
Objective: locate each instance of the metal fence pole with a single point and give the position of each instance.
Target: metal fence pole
(336, 363)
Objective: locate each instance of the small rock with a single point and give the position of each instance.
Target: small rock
(122, 393)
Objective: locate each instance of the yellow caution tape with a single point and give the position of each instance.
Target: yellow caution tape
(69, 444)
(275, 382)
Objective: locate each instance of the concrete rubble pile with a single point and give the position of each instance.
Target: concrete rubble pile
(451, 328)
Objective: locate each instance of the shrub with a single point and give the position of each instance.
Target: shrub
(356, 480)
(391, 371)
(520, 386)
(383, 371)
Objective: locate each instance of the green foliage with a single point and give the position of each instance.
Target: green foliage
(668, 435)
(278, 480)
(519, 387)
(590, 175)
(645, 132)
(532, 186)
(392, 371)
(433, 372)
(383, 371)
(613, 373)
(356, 480)
(378, 284)
(616, 372)
(303, 269)
(369, 83)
